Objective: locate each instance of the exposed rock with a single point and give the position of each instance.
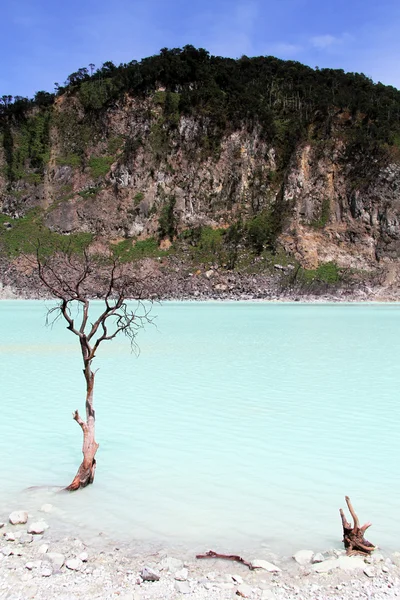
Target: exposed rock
(182, 587)
(83, 556)
(56, 559)
(6, 551)
(149, 574)
(237, 578)
(18, 517)
(350, 563)
(244, 590)
(326, 566)
(171, 564)
(46, 571)
(25, 538)
(264, 564)
(303, 557)
(318, 558)
(181, 575)
(9, 537)
(369, 572)
(74, 564)
(43, 549)
(37, 528)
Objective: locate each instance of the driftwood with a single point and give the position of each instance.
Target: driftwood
(212, 554)
(353, 536)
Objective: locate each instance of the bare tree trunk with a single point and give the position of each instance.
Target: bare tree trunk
(86, 471)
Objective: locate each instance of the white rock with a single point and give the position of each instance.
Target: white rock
(46, 571)
(1, 525)
(83, 556)
(6, 551)
(318, 558)
(209, 273)
(369, 572)
(43, 549)
(171, 564)
(46, 508)
(181, 575)
(25, 538)
(326, 566)
(149, 574)
(244, 591)
(37, 528)
(18, 517)
(9, 537)
(74, 564)
(34, 564)
(56, 559)
(267, 595)
(182, 587)
(303, 557)
(264, 564)
(385, 569)
(237, 578)
(378, 557)
(351, 563)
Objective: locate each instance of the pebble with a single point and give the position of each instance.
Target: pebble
(43, 549)
(244, 590)
(318, 558)
(304, 557)
(171, 564)
(237, 578)
(56, 558)
(6, 551)
(25, 538)
(46, 571)
(182, 587)
(181, 575)
(74, 564)
(46, 508)
(369, 572)
(264, 564)
(18, 517)
(38, 527)
(83, 556)
(1, 525)
(149, 574)
(9, 537)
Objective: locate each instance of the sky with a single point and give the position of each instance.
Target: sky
(45, 40)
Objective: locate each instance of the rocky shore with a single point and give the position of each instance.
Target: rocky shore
(36, 561)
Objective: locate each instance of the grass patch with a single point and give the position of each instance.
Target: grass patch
(127, 251)
(24, 234)
(324, 215)
(100, 165)
(70, 160)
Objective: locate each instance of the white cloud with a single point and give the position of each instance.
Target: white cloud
(328, 41)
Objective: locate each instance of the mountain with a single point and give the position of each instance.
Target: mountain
(264, 172)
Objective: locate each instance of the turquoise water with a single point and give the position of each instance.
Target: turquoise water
(240, 424)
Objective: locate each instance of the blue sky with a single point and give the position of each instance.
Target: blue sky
(44, 41)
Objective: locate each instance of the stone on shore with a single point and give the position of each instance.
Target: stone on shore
(1, 525)
(303, 557)
(264, 564)
(56, 558)
(182, 587)
(244, 590)
(37, 528)
(181, 575)
(46, 508)
(149, 574)
(326, 566)
(351, 563)
(25, 538)
(171, 564)
(74, 564)
(18, 517)
(318, 558)
(43, 549)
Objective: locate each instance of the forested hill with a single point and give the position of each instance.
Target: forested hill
(210, 159)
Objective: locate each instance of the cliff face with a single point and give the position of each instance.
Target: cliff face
(121, 173)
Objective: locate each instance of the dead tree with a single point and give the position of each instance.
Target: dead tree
(73, 281)
(353, 536)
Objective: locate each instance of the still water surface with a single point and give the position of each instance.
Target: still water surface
(239, 424)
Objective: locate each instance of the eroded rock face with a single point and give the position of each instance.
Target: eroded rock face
(328, 211)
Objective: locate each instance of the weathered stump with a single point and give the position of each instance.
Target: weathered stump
(353, 536)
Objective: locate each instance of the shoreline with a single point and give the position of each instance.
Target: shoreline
(38, 561)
